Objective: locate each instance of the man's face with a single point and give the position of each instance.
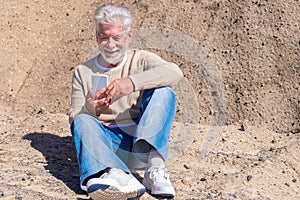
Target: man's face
(113, 42)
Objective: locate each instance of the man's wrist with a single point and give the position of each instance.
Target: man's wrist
(132, 88)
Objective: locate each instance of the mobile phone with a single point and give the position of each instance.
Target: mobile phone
(99, 81)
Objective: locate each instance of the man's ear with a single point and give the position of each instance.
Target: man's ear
(130, 36)
(97, 36)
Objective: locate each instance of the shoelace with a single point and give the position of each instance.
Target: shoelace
(105, 174)
(158, 173)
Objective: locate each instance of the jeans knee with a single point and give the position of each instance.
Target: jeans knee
(82, 117)
(165, 92)
(81, 120)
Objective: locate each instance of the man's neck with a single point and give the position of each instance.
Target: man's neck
(105, 64)
(114, 65)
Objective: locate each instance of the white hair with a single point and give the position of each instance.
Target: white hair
(112, 14)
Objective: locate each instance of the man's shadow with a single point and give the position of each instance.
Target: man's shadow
(60, 156)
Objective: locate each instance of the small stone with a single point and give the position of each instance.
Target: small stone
(3, 159)
(294, 180)
(273, 141)
(6, 193)
(287, 184)
(41, 111)
(203, 179)
(224, 139)
(249, 178)
(186, 167)
(18, 198)
(243, 127)
(261, 159)
(186, 181)
(239, 155)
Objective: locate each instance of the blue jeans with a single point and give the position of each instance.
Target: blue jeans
(99, 147)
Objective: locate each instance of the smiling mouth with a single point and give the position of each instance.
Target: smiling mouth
(111, 53)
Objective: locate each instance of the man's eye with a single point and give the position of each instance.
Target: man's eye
(116, 38)
(104, 38)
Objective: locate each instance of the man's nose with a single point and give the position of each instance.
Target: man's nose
(111, 43)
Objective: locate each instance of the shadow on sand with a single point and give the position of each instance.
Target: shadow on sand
(60, 155)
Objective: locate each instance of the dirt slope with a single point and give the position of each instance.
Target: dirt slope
(242, 68)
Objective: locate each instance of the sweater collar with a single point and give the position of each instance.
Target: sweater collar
(108, 68)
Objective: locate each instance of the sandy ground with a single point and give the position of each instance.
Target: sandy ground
(236, 133)
(38, 161)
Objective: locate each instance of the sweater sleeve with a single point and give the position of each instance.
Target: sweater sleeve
(154, 72)
(78, 95)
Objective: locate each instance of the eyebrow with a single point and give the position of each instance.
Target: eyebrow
(102, 35)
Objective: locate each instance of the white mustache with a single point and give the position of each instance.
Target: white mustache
(111, 50)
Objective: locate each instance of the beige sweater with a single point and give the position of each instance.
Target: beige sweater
(145, 69)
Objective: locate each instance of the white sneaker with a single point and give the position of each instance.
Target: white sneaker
(156, 180)
(115, 184)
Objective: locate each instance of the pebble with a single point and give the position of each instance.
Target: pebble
(203, 179)
(243, 127)
(272, 149)
(287, 184)
(5, 193)
(3, 159)
(224, 139)
(41, 111)
(186, 181)
(186, 167)
(261, 159)
(239, 155)
(249, 178)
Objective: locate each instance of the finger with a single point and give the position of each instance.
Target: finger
(99, 102)
(112, 93)
(111, 85)
(102, 106)
(108, 100)
(109, 89)
(89, 94)
(109, 93)
(100, 93)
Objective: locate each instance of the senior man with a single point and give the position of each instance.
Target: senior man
(127, 124)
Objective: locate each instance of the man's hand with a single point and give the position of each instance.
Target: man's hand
(106, 96)
(96, 105)
(117, 89)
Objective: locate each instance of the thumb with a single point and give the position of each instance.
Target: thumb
(89, 94)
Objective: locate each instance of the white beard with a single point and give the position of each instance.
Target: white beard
(115, 55)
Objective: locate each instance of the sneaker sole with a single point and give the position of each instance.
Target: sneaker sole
(164, 196)
(104, 192)
(157, 194)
